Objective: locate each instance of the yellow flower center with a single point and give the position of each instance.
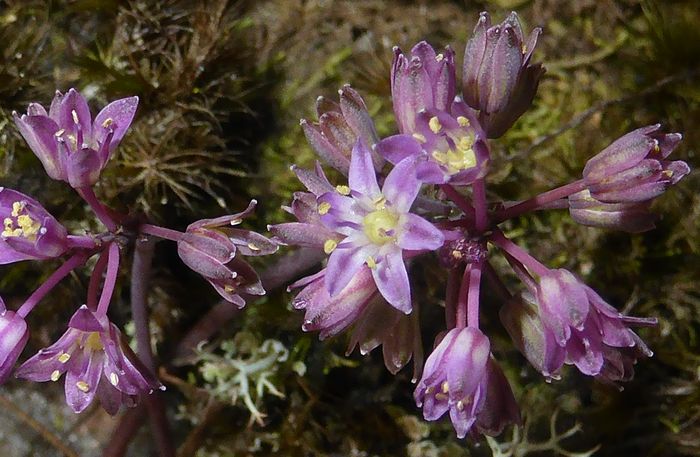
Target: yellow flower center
(93, 342)
(20, 223)
(380, 225)
(460, 158)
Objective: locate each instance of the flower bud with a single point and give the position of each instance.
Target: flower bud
(499, 80)
(13, 337)
(629, 217)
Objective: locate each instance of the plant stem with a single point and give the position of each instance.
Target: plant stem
(518, 253)
(82, 242)
(480, 205)
(140, 279)
(461, 312)
(110, 279)
(473, 296)
(161, 232)
(95, 280)
(459, 199)
(451, 295)
(540, 200)
(74, 262)
(98, 208)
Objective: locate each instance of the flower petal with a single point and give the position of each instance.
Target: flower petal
(392, 280)
(362, 178)
(418, 234)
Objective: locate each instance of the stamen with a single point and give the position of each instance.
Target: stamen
(463, 121)
(109, 121)
(64, 357)
(460, 405)
(83, 386)
(439, 57)
(114, 379)
(253, 247)
(229, 289)
(434, 124)
(329, 246)
(343, 190)
(59, 133)
(440, 397)
(380, 203)
(419, 137)
(523, 49)
(75, 117)
(371, 262)
(55, 374)
(17, 207)
(445, 387)
(323, 208)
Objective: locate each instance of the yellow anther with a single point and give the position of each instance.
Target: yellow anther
(64, 357)
(75, 117)
(343, 190)
(439, 57)
(73, 141)
(114, 379)
(235, 221)
(94, 342)
(59, 132)
(83, 386)
(380, 203)
(656, 146)
(329, 246)
(419, 137)
(229, 289)
(371, 262)
(253, 247)
(457, 254)
(667, 173)
(523, 48)
(29, 228)
(55, 374)
(109, 121)
(434, 124)
(17, 207)
(445, 387)
(323, 208)
(429, 390)
(463, 121)
(440, 397)
(460, 405)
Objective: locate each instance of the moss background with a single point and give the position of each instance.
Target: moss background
(222, 87)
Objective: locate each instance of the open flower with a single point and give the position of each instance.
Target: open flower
(423, 80)
(377, 227)
(13, 337)
(585, 326)
(96, 361)
(29, 231)
(339, 126)
(460, 377)
(210, 247)
(498, 79)
(634, 167)
(446, 147)
(68, 143)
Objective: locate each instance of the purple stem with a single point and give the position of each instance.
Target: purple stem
(140, 279)
(82, 242)
(110, 279)
(451, 294)
(480, 205)
(95, 280)
(74, 262)
(473, 296)
(461, 312)
(540, 200)
(417, 343)
(161, 232)
(518, 253)
(459, 199)
(98, 208)
(521, 272)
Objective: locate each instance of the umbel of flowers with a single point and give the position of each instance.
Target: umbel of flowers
(374, 226)
(92, 354)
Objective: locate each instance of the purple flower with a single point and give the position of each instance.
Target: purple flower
(522, 321)
(498, 79)
(633, 217)
(13, 337)
(328, 314)
(587, 327)
(68, 143)
(29, 231)
(339, 126)
(377, 227)
(397, 333)
(90, 350)
(460, 377)
(446, 147)
(634, 167)
(210, 246)
(421, 81)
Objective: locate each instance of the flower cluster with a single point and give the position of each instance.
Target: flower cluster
(377, 225)
(92, 354)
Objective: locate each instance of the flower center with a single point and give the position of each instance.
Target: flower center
(459, 158)
(93, 342)
(380, 226)
(20, 223)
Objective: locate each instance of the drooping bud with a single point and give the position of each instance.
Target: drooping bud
(13, 337)
(629, 217)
